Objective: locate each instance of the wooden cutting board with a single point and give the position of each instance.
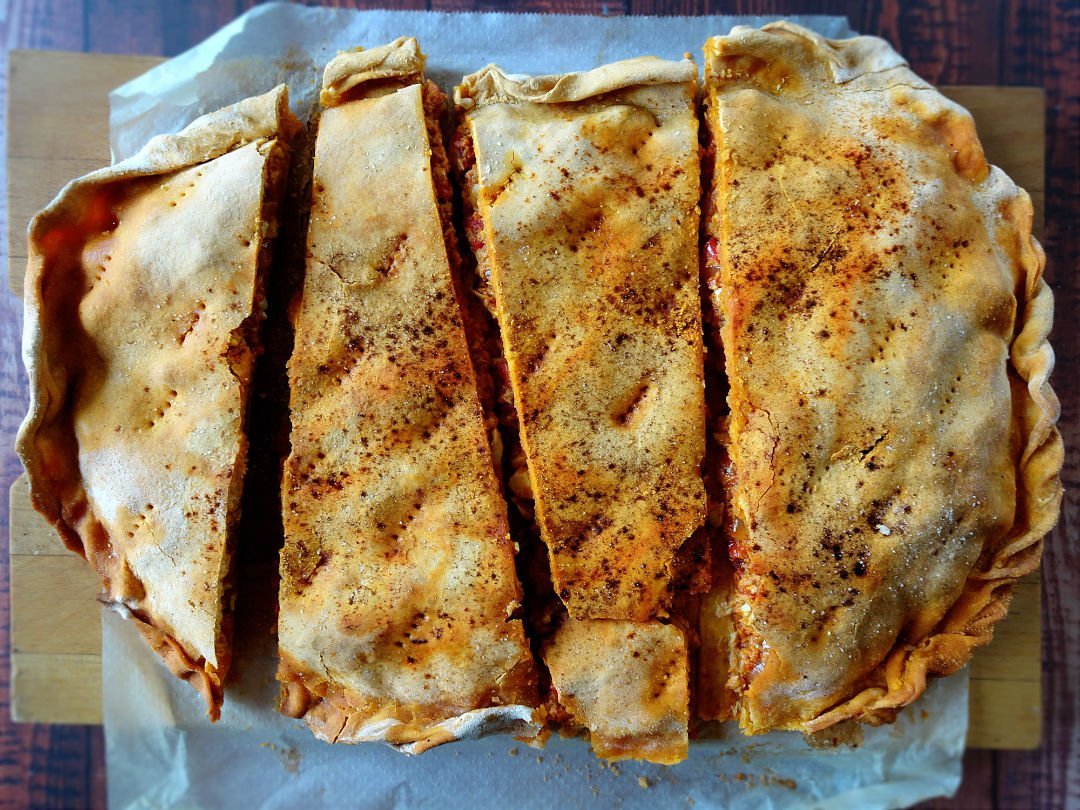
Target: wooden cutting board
(58, 130)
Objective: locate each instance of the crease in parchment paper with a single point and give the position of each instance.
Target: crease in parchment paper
(161, 750)
(274, 762)
(280, 42)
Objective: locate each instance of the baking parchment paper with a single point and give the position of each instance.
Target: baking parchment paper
(279, 42)
(162, 752)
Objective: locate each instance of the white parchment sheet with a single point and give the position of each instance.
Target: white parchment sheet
(284, 43)
(161, 750)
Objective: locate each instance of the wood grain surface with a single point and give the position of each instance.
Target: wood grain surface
(1011, 42)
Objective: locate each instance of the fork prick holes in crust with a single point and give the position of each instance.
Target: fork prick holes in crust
(626, 410)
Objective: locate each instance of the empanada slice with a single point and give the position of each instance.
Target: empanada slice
(399, 598)
(891, 436)
(627, 683)
(144, 298)
(584, 196)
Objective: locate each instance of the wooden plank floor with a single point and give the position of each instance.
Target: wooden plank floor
(1016, 42)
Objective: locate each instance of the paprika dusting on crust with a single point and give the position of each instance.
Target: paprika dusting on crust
(584, 219)
(627, 683)
(144, 298)
(399, 599)
(894, 461)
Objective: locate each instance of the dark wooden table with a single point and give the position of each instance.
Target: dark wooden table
(1010, 42)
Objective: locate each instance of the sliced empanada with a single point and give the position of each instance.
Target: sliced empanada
(582, 192)
(399, 595)
(893, 457)
(144, 297)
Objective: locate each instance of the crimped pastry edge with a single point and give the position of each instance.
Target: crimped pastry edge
(205, 679)
(334, 718)
(491, 85)
(847, 59)
(400, 59)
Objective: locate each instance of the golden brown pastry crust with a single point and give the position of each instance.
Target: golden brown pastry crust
(398, 592)
(627, 683)
(586, 188)
(142, 295)
(397, 61)
(582, 192)
(873, 277)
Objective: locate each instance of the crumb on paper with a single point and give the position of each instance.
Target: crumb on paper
(848, 733)
(767, 778)
(643, 782)
(611, 766)
(289, 757)
(513, 751)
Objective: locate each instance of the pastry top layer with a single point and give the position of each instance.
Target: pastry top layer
(141, 279)
(627, 683)
(399, 60)
(492, 86)
(398, 583)
(587, 186)
(871, 274)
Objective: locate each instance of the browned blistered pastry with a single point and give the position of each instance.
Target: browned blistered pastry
(144, 294)
(398, 595)
(627, 683)
(893, 457)
(583, 192)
